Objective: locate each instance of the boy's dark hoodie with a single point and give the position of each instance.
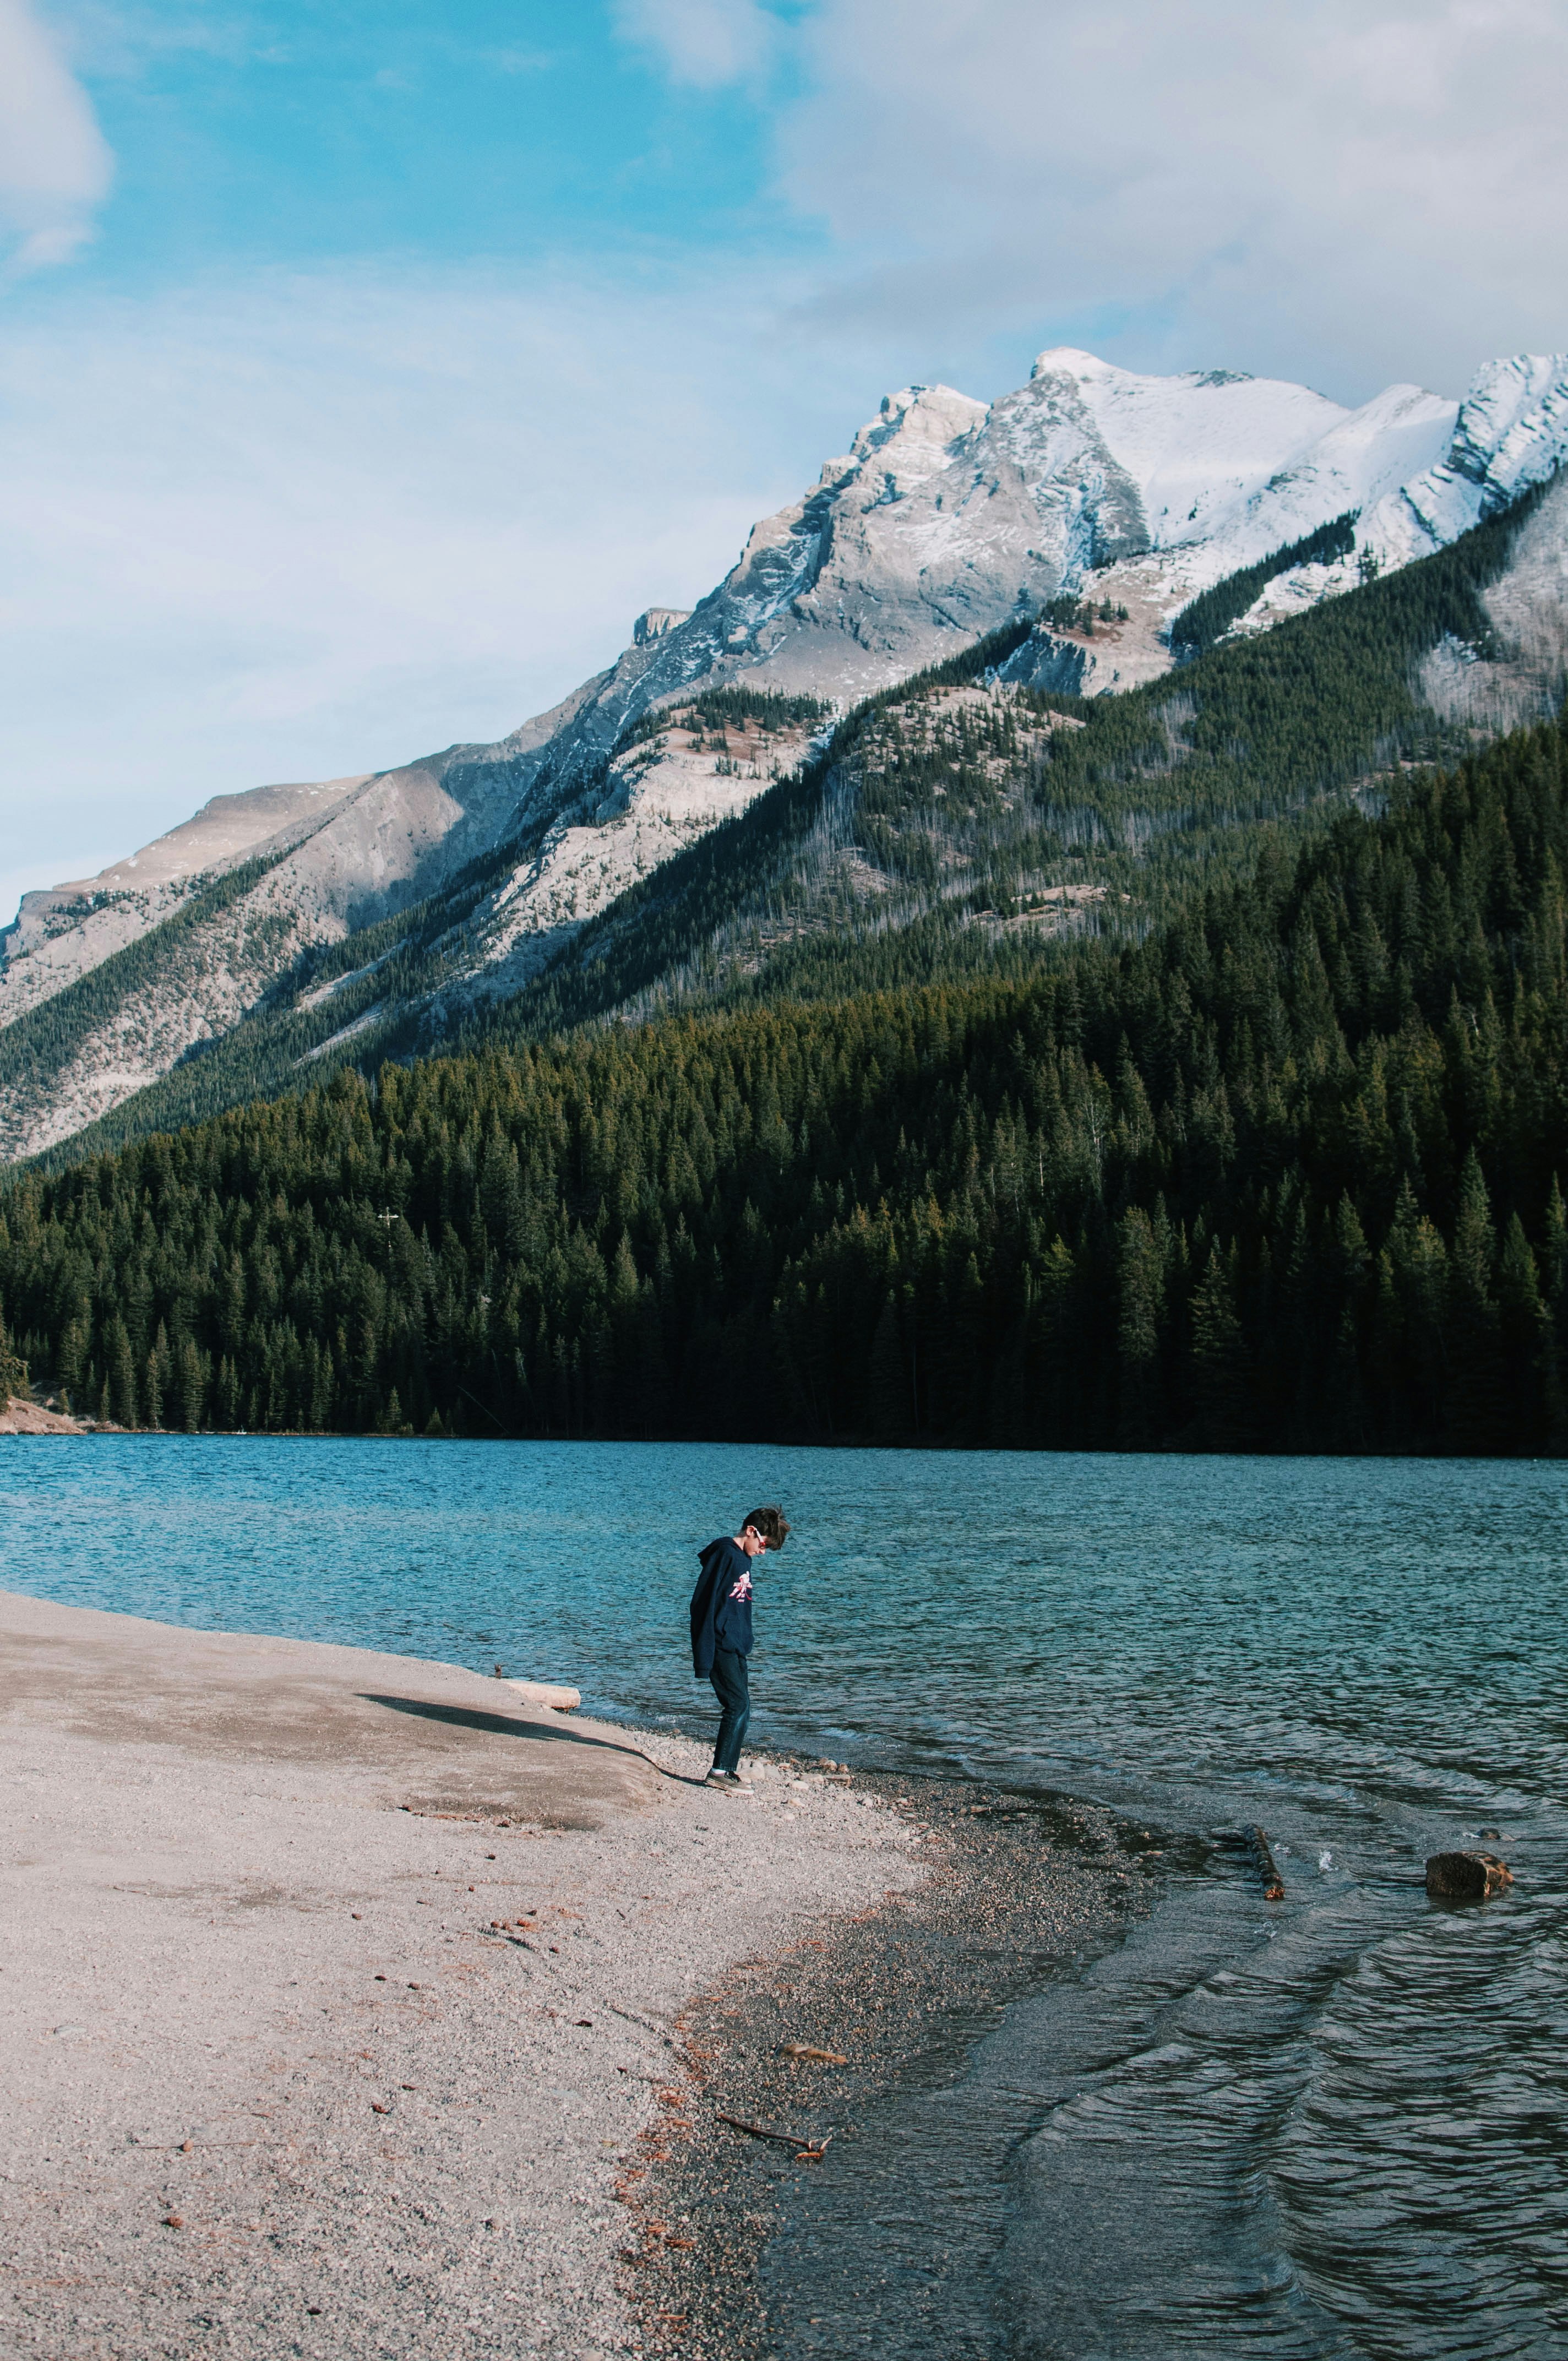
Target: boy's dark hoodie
(721, 1605)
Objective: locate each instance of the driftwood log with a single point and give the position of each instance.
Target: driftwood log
(1272, 1884)
(1467, 1876)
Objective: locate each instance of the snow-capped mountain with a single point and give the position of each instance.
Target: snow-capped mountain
(945, 518)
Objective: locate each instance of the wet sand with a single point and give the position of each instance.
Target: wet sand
(883, 2229)
(341, 1991)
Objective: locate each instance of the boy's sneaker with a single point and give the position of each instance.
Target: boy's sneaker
(731, 1781)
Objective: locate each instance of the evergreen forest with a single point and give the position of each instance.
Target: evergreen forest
(1282, 1168)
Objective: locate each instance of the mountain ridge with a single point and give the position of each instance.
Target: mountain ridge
(958, 825)
(947, 519)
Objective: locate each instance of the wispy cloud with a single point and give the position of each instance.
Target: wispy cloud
(322, 523)
(707, 43)
(1357, 189)
(292, 526)
(517, 61)
(54, 165)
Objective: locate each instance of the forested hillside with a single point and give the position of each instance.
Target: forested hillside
(1205, 621)
(1284, 1174)
(954, 827)
(948, 810)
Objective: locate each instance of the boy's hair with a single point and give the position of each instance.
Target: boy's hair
(769, 1524)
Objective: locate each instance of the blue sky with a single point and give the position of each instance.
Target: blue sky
(363, 370)
(279, 134)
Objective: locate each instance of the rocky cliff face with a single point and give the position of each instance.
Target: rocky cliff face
(945, 519)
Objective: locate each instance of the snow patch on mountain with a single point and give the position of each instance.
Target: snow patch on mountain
(65, 930)
(1511, 431)
(659, 797)
(945, 518)
(1523, 676)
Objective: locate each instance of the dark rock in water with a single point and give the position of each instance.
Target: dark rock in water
(1467, 1876)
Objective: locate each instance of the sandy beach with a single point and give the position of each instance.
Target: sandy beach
(341, 1990)
(19, 1414)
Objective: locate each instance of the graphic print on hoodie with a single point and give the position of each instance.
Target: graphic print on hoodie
(721, 1605)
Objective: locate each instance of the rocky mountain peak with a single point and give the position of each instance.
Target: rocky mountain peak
(920, 417)
(1512, 424)
(1068, 360)
(947, 518)
(657, 623)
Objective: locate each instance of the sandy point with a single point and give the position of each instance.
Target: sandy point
(341, 1990)
(20, 1415)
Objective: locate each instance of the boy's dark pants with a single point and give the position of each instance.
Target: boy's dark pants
(733, 1692)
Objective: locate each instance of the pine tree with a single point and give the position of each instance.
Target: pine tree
(1142, 1301)
(1346, 1422)
(1224, 1379)
(888, 1398)
(1477, 1393)
(1524, 1338)
(1554, 1337)
(121, 1381)
(13, 1369)
(190, 1384)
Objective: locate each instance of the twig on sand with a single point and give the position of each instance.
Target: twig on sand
(803, 2145)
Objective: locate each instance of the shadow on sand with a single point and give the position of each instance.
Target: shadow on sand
(510, 1725)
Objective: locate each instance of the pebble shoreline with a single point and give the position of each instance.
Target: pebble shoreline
(882, 2229)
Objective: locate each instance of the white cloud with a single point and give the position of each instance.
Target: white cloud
(295, 528)
(327, 523)
(1349, 189)
(54, 166)
(704, 42)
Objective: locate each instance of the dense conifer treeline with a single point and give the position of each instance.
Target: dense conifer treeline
(1284, 1175)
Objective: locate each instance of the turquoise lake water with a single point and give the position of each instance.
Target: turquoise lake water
(1329, 2128)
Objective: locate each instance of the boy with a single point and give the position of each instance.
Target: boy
(721, 1633)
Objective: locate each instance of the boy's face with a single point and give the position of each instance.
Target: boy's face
(752, 1541)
